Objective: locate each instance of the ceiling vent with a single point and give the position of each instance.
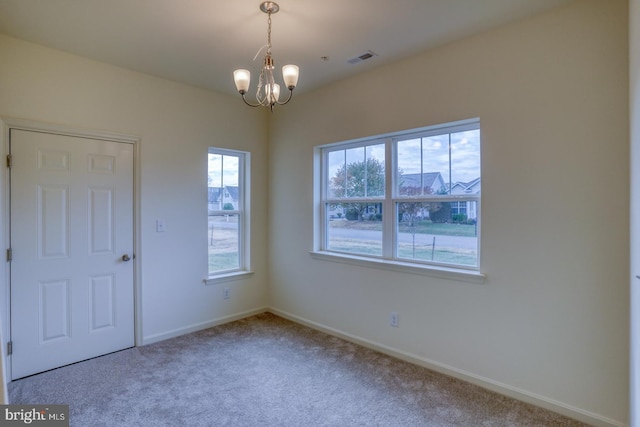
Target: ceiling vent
(361, 58)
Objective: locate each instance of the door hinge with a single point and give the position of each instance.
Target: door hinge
(9, 161)
(9, 348)
(9, 254)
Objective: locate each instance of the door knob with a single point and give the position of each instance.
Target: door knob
(126, 258)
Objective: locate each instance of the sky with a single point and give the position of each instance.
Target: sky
(432, 154)
(223, 170)
(429, 154)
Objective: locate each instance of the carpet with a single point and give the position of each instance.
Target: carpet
(267, 371)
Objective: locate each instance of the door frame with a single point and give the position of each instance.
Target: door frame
(8, 123)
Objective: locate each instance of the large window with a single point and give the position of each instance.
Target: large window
(412, 196)
(228, 191)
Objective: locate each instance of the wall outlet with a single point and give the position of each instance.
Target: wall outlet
(226, 293)
(394, 319)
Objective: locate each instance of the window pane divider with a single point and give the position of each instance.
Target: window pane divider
(438, 198)
(388, 210)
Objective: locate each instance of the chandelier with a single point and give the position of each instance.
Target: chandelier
(268, 92)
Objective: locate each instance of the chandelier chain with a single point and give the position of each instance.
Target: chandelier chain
(269, 33)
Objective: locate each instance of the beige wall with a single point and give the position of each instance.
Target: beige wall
(176, 124)
(550, 324)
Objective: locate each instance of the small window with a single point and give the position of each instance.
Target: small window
(227, 211)
(410, 196)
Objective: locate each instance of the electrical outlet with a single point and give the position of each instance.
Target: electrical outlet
(226, 293)
(394, 319)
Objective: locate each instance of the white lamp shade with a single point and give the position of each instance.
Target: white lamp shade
(276, 92)
(290, 75)
(242, 78)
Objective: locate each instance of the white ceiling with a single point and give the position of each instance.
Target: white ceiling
(200, 42)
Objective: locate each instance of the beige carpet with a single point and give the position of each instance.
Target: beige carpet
(267, 371)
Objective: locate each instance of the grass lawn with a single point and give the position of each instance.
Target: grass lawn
(406, 251)
(222, 261)
(223, 243)
(422, 227)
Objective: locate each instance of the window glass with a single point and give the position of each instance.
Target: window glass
(435, 200)
(432, 232)
(226, 225)
(355, 228)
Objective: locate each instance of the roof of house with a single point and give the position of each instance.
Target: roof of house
(214, 193)
(431, 180)
(466, 187)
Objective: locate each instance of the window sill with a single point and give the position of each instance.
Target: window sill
(228, 277)
(404, 267)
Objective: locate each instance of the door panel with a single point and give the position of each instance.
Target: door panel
(71, 223)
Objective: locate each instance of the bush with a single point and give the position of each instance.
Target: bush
(441, 214)
(459, 218)
(351, 215)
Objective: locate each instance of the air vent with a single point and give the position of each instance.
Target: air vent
(360, 58)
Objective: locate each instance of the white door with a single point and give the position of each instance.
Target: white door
(71, 249)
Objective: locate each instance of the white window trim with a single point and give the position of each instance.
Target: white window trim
(228, 277)
(244, 208)
(431, 270)
(386, 262)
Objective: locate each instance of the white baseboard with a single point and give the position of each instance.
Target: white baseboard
(200, 326)
(487, 383)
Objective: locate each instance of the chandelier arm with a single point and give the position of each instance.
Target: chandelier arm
(288, 99)
(249, 104)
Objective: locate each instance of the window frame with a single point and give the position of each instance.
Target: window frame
(389, 259)
(244, 218)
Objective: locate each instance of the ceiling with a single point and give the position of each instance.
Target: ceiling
(201, 42)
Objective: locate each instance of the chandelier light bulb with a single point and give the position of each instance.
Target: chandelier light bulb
(290, 76)
(275, 92)
(242, 78)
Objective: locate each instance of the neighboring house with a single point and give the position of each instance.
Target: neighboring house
(433, 183)
(469, 208)
(411, 183)
(219, 197)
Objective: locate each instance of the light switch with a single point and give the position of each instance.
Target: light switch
(160, 226)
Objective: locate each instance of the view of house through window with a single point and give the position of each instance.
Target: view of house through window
(226, 194)
(411, 196)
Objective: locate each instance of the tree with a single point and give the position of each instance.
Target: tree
(410, 211)
(358, 179)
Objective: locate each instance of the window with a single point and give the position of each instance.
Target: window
(408, 197)
(228, 190)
